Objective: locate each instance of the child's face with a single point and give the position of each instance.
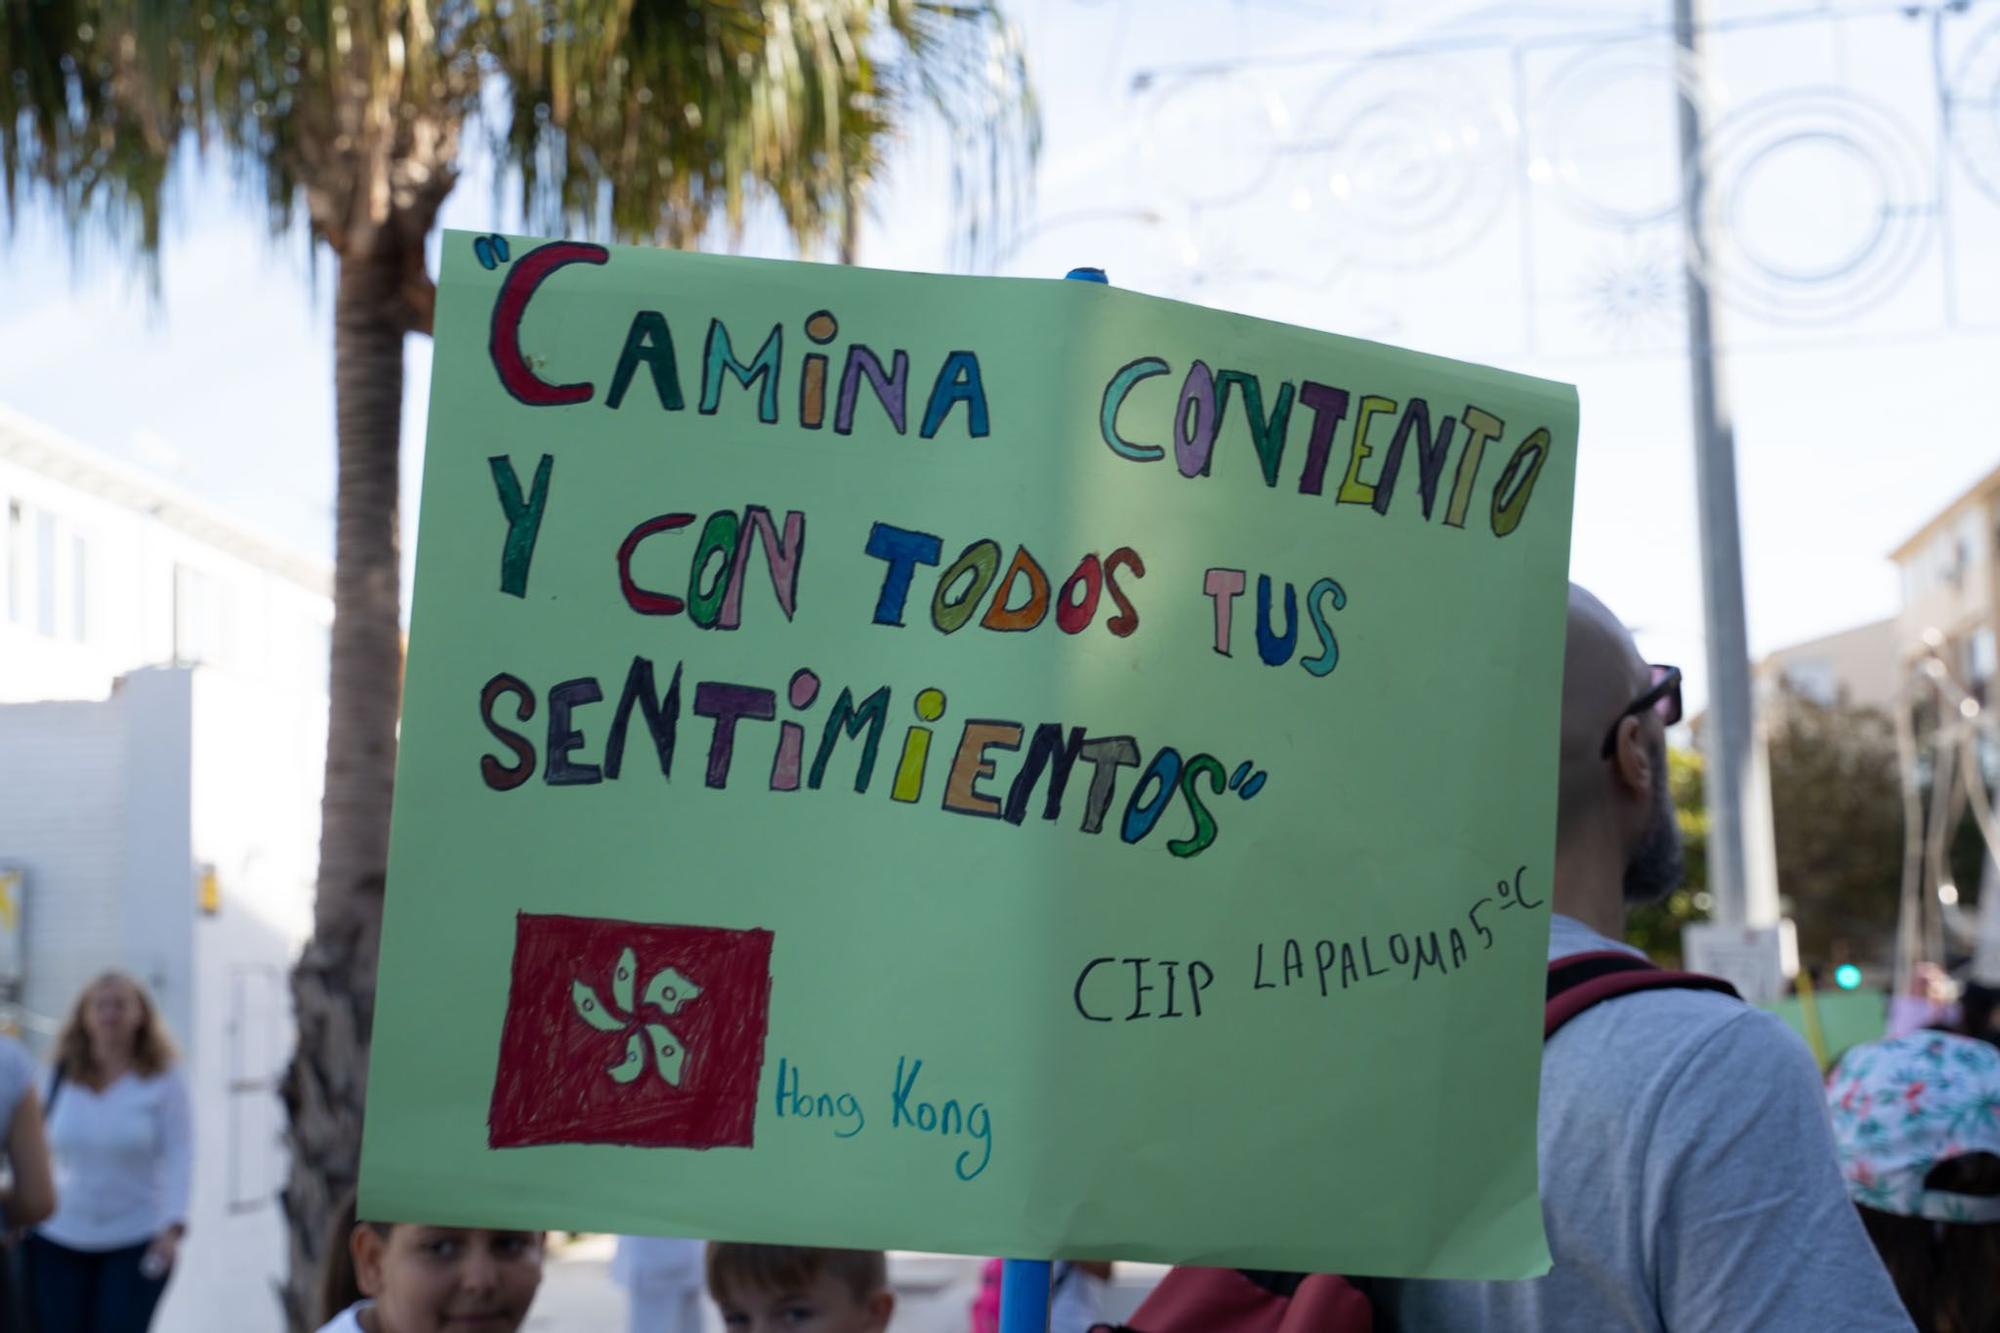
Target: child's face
(825, 1305)
(448, 1279)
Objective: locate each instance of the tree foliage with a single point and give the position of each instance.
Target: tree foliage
(1837, 816)
(1656, 928)
(1837, 811)
(644, 119)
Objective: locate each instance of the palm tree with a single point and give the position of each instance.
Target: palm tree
(640, 119)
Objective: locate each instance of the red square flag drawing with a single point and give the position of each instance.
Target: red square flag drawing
(621, 1032)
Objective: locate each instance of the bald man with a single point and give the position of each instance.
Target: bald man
(1687, 1169)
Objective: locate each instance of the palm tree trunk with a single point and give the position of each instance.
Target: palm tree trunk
(333, 987)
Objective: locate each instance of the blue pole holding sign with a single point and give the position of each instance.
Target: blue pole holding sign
(1024, 1296)
(1024, 1283)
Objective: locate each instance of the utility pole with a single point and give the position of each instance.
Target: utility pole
(1745, 891)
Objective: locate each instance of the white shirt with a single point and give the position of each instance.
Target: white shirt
(348, 1320)
(123, 1158)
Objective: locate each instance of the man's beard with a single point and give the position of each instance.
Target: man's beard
(1654, 869)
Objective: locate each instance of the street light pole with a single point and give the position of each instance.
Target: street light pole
(1741, 897)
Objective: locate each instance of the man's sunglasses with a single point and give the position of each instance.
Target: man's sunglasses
(1663, 698)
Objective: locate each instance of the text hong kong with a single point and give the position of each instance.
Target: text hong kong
(1362, 446)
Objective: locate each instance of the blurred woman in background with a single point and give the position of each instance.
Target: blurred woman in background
(119, 1127)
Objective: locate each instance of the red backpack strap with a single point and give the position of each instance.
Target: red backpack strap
(1581, 980)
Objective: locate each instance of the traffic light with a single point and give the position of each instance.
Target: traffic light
(1847, 976)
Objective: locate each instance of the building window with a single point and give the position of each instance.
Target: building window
(321, 640)
(17, 562)
(299, 650)
(45, 573)
(259, 1040)
(201, 618)
(79, 589)
(1952, 557)
(1813, 679)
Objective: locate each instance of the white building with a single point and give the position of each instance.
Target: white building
(1951, 586)
(1951, 613)
(1860, 667)
(162, 725)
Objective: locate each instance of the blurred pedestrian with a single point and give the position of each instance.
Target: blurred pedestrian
(1916, 1119)
(119, 1128)
(1930, 1002)
(1687, 1170)
(663, 1279)
(30, 1194)
(403, 1277)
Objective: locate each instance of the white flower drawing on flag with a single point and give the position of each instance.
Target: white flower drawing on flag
(667, 992)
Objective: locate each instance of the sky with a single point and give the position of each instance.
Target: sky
(1497, 184)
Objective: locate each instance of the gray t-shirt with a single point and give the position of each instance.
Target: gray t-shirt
(1687, 1178)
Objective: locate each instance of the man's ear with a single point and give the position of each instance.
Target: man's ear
(368, 1248)
(881, 1306)
(1633, 759)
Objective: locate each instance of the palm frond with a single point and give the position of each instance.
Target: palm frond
(648, 119)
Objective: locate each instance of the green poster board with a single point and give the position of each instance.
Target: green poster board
(1009, 767)
(1846, 1019)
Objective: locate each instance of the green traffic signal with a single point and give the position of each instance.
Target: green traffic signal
(1847, 976)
